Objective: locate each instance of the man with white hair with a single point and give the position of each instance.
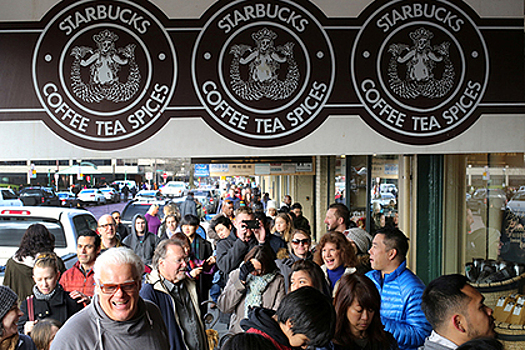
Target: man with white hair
(118, 318)
(176, 296)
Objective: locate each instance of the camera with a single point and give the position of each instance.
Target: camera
(251, 224)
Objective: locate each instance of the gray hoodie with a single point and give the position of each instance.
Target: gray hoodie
(143, 246)
(92, 329)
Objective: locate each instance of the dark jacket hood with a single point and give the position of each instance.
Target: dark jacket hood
(261, 319)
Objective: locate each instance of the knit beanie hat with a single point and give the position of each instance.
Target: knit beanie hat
(271, 204)
(361, 238)
(7, 299)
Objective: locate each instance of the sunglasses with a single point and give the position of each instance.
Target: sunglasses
(126, 287)
(301, 241)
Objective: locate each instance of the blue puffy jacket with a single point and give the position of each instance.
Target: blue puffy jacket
(401, 312)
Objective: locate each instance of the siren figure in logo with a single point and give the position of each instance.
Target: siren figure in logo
(264, 61)
(104, 64)
(421, 59)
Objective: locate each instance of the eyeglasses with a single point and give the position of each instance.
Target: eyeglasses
(301, 241)
(126, 287)
(116, 217)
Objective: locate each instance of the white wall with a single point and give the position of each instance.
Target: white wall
(183, 137)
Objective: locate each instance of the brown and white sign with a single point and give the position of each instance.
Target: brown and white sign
(107, 75)
(98, 76)
(263, 71)
(420, 70)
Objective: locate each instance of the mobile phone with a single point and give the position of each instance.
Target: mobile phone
(206, 267)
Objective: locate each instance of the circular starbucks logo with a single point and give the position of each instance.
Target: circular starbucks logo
(423, 79)
(104, 72)
(263, 72)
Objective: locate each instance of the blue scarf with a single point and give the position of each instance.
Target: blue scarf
(335, 275)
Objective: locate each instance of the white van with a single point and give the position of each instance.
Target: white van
(63, 223)
(131, 184)
(174, 189)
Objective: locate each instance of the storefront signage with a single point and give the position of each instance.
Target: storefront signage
(104, 71)
(427, 73)
(202, 170)
(108, 75)
(263, 70)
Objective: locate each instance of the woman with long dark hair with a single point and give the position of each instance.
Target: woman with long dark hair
(256, 283)
(9, 316)
(306, 273)
(358, 324)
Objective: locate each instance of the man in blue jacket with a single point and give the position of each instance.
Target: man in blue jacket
(400, 289)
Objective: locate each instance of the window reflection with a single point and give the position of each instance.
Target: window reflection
(384, 192)
(496, 207)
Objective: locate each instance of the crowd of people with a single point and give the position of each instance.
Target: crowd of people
(275, 288)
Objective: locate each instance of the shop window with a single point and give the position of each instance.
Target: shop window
(373, 203)
(495, 207)
(384, 192)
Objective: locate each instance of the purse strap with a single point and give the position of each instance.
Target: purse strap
(31, 308)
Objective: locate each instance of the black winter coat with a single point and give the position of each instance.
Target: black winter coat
(60, 307)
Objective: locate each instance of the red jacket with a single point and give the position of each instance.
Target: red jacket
(74, 279)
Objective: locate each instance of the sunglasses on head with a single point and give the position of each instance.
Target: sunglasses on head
(301, 241)
(45, 256)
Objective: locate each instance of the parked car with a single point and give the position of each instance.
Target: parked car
(9, 198)
(517, 203)
(68, 199)
(148, 195)
(496, 198)
(91, 195)
(173, 189)
(121, 183)
(385, 199)
(38, 195)
(112, 196)
(388, 188)
(64, 223)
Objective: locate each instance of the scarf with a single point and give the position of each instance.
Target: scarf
(40, 296)
(10, 343)
(255, 287)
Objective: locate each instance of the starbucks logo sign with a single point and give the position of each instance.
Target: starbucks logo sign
(422, 82)
(104, 73)
(263, 71)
